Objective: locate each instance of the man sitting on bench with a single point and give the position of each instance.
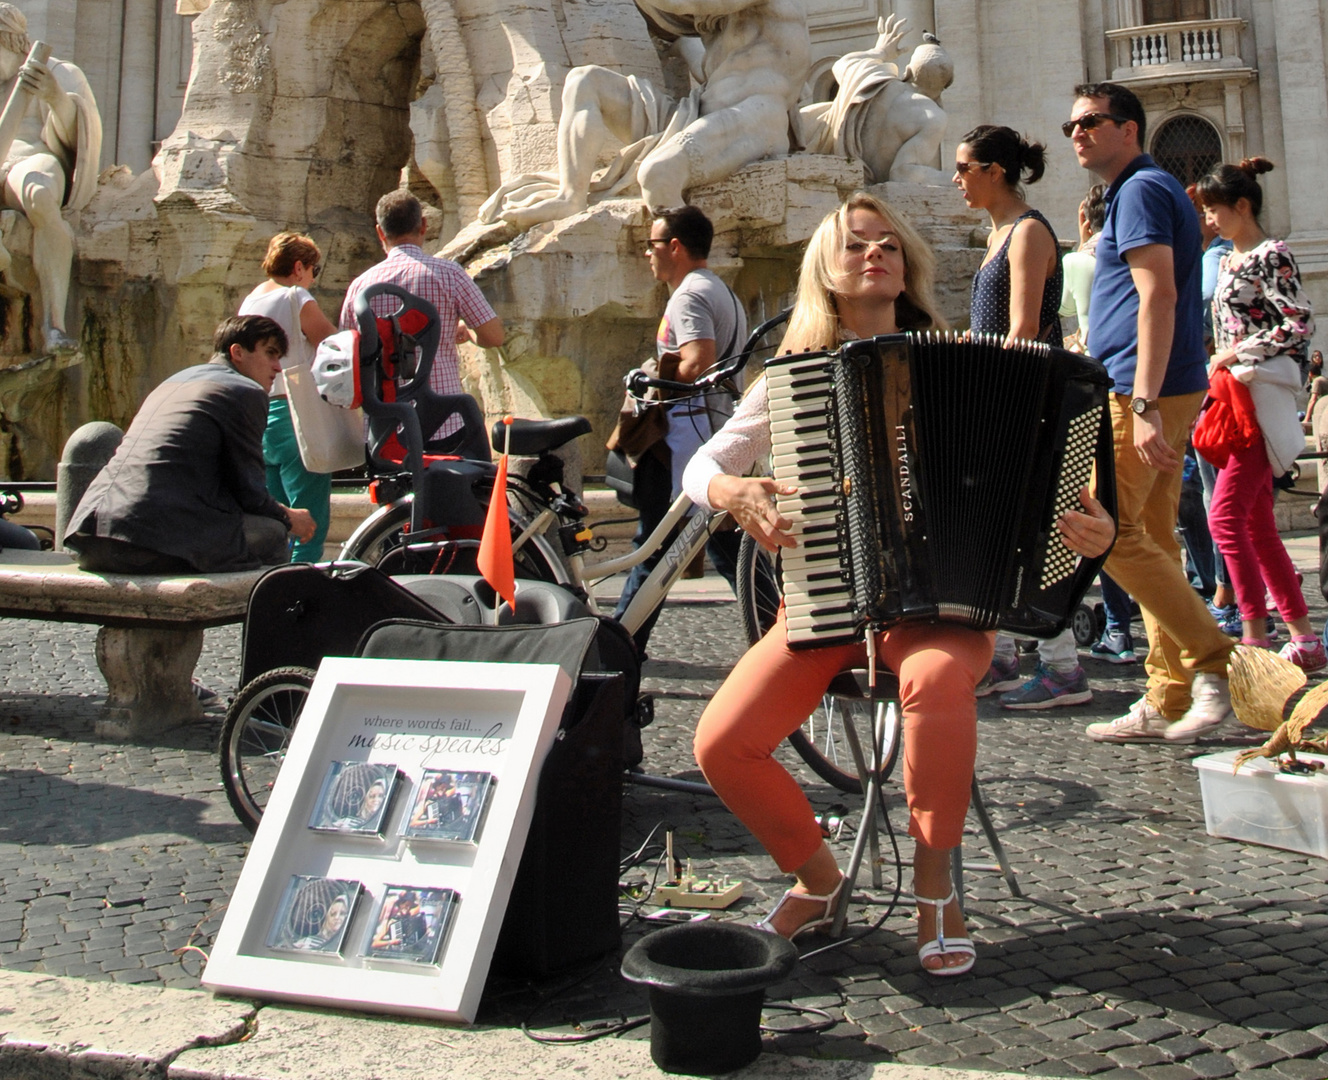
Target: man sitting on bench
(186, 490)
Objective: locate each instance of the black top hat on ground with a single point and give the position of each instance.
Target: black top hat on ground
(707, 984)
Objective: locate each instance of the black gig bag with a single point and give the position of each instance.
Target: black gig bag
(302, 612)
(564, 903)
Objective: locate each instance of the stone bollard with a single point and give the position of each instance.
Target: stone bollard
(86, 452)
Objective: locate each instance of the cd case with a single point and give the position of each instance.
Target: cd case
(449, 806)
(314, 915)
(411, 924)
(355, 798)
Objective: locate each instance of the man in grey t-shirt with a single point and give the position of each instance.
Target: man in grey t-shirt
(703, 323)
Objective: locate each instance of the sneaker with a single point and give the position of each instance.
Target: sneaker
(1210, 707)
(1228, 620)
(204, 695)
(1048, 689)
(1307, 653)
(1142, 723)
(1114, 646)
(1000, 676)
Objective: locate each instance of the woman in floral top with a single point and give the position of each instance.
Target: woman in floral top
(1262, 323)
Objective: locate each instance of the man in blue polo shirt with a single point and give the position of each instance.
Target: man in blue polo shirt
(1147, 329)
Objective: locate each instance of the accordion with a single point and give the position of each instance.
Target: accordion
(930, 470)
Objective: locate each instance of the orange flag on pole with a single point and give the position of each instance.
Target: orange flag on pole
(495, 557)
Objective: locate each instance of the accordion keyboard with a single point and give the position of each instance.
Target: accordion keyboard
(818, 604)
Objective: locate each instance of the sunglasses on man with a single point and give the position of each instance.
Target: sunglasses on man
(1088, 122)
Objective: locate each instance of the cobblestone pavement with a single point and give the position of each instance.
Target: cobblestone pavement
(1143, 948)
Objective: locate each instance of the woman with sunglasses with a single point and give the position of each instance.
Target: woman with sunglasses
(1262, 324)
(1017, 295)
(866, 272)
(292, 265)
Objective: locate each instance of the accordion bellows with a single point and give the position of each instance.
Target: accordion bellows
(930, 470)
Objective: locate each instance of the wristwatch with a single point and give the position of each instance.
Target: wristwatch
(1141, 405)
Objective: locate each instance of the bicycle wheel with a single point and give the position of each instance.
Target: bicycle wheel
(758, 589)
(378, 534)
(255, 735)
(379, 541)
(820, 742)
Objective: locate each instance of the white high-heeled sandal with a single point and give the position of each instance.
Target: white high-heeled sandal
(830, 900)
(941, 945)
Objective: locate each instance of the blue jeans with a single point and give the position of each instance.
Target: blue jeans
(1192, 523)
(1116, 602)
(1208, 477)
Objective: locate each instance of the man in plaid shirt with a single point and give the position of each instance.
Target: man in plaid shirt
(462, 310)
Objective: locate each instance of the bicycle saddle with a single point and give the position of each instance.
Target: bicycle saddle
(533, 437)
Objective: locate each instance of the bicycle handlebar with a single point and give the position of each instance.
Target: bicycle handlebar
(638, 382)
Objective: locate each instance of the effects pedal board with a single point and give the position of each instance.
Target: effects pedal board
(687, 890)
(690, 891)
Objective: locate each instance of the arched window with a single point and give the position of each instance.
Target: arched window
(1187, 147)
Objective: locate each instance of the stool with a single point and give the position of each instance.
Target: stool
(886, 737)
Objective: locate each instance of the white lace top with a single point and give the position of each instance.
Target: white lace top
(734, 449)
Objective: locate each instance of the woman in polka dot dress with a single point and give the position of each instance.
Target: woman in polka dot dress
(1017, 295)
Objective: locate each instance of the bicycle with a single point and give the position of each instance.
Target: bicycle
(400, 537)
(409, 534)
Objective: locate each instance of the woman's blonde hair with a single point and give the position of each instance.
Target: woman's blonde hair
(815, 322)
(286, 249)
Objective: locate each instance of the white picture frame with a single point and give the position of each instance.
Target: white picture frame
(415, 715)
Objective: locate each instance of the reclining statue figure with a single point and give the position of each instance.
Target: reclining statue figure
(892, 123)
(748, 58)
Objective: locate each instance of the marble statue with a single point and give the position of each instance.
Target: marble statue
(748, 60)
(51, 164)
(892, 123)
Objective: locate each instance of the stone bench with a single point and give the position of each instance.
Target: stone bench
(151, 630)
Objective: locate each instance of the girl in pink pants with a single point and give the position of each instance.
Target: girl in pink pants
(1262, 322)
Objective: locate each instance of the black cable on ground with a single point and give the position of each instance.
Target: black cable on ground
(824, 1024)
(597, 1030)
(586, 1036)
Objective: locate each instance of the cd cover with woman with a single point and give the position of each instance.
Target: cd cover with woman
(355, 798)
(314, 915)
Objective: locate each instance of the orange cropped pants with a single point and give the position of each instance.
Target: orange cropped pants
(774, 689)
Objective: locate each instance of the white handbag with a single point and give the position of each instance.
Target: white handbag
(329, 438)
(1273, 385)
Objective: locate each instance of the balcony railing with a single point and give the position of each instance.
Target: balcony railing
(1208, 43)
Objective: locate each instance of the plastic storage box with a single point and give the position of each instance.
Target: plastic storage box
(1262, 805)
